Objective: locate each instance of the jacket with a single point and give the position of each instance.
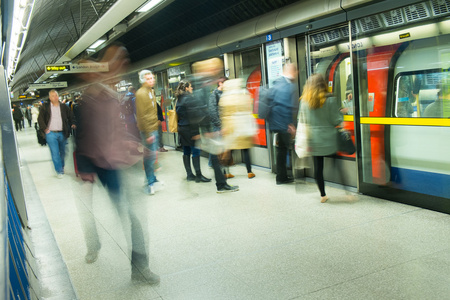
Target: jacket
(146, 110)
(214, 109)
(284, 105)
(45, 115)
(17, 114)
(322, 122)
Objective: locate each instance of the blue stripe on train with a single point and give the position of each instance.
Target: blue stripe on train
(434, 184)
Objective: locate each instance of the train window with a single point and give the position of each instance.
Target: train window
(423, 94)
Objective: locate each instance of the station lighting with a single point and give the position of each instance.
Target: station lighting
(97, 43)
(149, 5)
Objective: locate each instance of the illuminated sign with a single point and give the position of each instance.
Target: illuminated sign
(22, 96)
(77, 68)
(57, 68)
(404, 35)
(49, 85)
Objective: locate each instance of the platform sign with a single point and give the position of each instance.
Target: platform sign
(49, 85)
(77, 68)
(274, 54)
(268, 38)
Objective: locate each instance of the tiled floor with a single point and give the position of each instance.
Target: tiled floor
(262, 242)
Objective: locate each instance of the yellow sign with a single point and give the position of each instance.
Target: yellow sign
(57, 68)
(405, 35)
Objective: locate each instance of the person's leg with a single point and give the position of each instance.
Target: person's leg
(62, 142)
(196, 162)
(318, 174)
(16, 123)
(52, 141)
(283, 144)
(150, 157)
(248, 162)
(160, 135)
(187, 163)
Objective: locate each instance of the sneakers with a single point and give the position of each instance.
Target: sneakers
(227, 188)
(150, 189)
(145, 276)
(60, 175)
(251, 175)
(162, 149)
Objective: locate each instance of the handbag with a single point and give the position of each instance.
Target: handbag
(345, 143)
(302, 135)
(173, 120)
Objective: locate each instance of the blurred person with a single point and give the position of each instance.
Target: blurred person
(35, 115)
(18, 117)
(238, 123)
(103, 149)
(281, 118)
(214, 114)
(128, 112)
(187, 132)
(206, 73)
(55, 123)
(147, 122)
(160, 132)
(24, 114)
(28, 115)
(322, 116)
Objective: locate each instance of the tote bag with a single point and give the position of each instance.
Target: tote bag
(173, 120)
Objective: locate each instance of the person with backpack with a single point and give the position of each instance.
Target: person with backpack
(282, 118)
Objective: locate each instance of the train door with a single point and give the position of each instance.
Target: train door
(402, 64)
(329, 55)
(248, 65)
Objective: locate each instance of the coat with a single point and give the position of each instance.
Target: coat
(284, 105)
(66, 116)
(236, 116)
(146, 110)
(186, 129)
(322, 122)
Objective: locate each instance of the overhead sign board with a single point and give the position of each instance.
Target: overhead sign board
(49, 85)
(77, 68)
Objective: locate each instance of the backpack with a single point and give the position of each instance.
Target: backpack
(127, 105)
(265, 103)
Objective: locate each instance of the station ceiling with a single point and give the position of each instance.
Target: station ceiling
(57, 25)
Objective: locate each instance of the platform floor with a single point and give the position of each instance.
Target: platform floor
(262, 242)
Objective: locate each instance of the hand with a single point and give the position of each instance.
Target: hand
(150, 139)
(74, 126)
(291, 130)
(47, 131)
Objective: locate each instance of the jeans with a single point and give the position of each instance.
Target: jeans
(57, 143)
(150, 152)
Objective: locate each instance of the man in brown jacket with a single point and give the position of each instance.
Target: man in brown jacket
(147, 122)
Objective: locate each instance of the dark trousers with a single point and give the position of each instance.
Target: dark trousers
(284, 142)
(218, 175)
(318, 171)
(18, 124)
(247, 160)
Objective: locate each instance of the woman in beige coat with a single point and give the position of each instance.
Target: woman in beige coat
(238, 123)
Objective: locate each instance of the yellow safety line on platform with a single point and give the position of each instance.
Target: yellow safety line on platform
(405, 121)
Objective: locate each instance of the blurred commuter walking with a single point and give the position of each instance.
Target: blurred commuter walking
(102, 151)
(322, 114)
(18, 117)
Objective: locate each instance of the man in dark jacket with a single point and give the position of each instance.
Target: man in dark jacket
(18, 117)
(281, 118)
(55, 121)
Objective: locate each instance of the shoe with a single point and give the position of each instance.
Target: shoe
(162, 149)
(228, 188)
(286, 181)
(158, 185)
(202, 178)
(190, 177)
(228, 175)
(150, 189)
(60, 175)
(91, 257)
(145, 276)
(323, 199)
(251, 175)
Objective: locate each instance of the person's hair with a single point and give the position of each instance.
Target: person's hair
(181, 88)
(315, 91)
(142, 75)
(221, 80)
(53, 91)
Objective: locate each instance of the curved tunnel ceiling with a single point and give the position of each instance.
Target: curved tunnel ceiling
(57, 25)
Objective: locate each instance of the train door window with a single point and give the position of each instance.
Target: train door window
(330, 56)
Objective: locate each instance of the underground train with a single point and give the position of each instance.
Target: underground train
(386, 61)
